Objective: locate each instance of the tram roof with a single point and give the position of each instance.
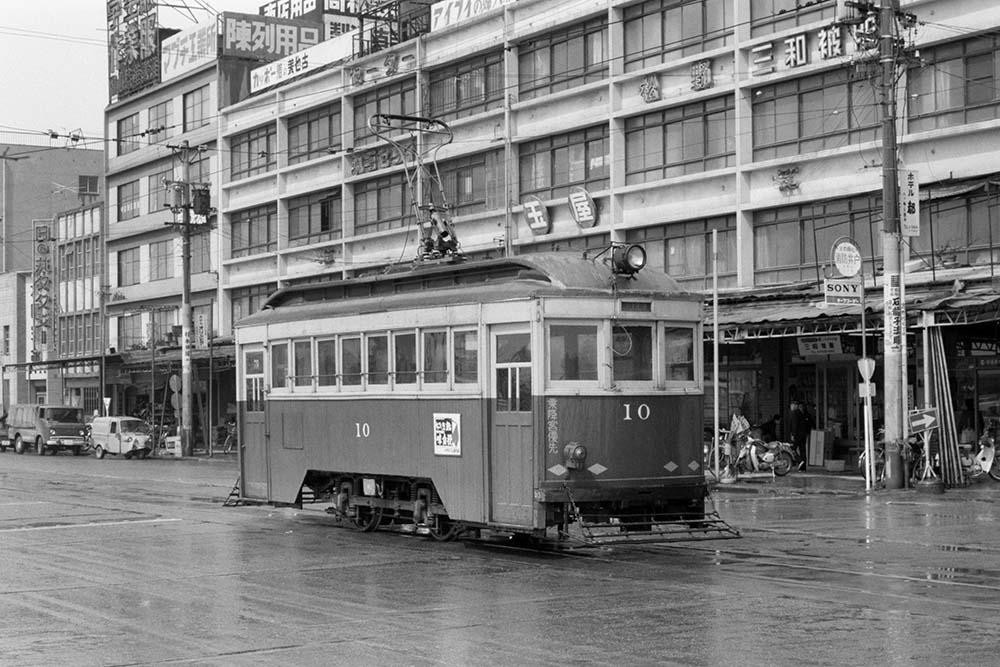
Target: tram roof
(474, 281)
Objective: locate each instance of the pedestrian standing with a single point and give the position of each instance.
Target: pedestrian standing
(798, 428)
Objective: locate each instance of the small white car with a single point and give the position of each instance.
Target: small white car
(120, 435)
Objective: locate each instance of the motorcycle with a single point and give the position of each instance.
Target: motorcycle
(985, 461)
(755, 455)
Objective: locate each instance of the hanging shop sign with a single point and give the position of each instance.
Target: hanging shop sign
(846, 256)
(536, 214)
(893, 312)
(582, 207)
(819, 346)
(842, 291)
(909, 204)
(266, 38)
(187, 51)
(293, 9)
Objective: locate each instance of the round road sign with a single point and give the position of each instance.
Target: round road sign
(847, 257)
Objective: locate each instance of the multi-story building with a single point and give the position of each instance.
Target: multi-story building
(41, 176)
(666, 122)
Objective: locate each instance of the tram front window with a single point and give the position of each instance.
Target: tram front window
(633, 352)
(678, 351)
(351, 361)
(378, 359)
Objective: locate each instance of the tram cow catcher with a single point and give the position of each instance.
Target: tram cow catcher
(552, 395)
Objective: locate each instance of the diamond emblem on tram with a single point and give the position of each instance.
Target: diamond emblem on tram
(671, 466)
(694, 465)
(558, 470)
(597, 468)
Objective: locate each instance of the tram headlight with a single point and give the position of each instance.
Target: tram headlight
(576, 455)
(628, 260)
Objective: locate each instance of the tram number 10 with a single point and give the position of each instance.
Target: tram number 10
(362, 430)
(642, 411)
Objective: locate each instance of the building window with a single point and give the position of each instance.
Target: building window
(130, 336)
(683, 140)
(468, 87)
(769, 16)
(128, 134)
(201, 257)
(196, 111)
(472, 184)
(89, 185)
(254, 231)
(128, 200)
(813, 113)
(248, 300)
(253, 152)
(550, 167)
(955, 84)
(314, 134)
(161, 121)
(316, 217)
(687, 249)
(157, 190)
(787, 239)
(399, 98)
(161, 260)
(957, 231)
(563, 60)
(665, 30)
(381, 204)
(6, 339)
(128, 267)
(199, 170)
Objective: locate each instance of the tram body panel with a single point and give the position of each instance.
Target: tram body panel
(376, 436)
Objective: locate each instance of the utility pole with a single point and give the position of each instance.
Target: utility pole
(894, 329)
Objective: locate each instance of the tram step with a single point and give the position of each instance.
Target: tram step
(709, 527)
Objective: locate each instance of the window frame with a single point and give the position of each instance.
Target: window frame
(599, 346)
(312, 124)
(196, 108)
(253, 152)
(545, 63)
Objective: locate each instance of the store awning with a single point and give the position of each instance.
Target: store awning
(141, 359)
(73, 362)
(802, 312)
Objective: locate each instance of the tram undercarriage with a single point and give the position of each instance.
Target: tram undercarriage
(413, 505)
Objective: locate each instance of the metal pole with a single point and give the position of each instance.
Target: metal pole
(186, 416)
(894, 336)
(715, 348)
(152, 366)
(210, 435)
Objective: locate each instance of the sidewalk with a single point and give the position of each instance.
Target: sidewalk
(818, 481)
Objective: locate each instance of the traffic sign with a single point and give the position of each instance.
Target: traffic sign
(866, 390)
(922, 420)
(866, 367)
(909, 203)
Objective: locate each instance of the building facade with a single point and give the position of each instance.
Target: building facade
(578, 124)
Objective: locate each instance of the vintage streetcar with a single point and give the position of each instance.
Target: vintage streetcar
(553, 396)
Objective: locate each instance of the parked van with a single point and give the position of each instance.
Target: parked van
(120, 435)
(47, 428)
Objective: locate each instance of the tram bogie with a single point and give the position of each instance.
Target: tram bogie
(526, 395)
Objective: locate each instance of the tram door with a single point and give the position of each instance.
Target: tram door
(253, 450)
(511, 418)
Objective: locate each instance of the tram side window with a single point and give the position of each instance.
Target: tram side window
(303, 363)
(466, 357)
(326, 363)
(378, 359)
(351, 361)
(572, 352)
(405, 345)
(435, 356)
(632, 346)
(678, 353)
(279, 365)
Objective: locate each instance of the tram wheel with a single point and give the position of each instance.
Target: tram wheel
(443, 529)
(368, 518)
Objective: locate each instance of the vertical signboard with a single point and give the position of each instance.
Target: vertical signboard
(909, 204)
(41, 275)
(893, 312)
(133, 46)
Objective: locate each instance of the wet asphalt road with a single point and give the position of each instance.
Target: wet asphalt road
(136, 562)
